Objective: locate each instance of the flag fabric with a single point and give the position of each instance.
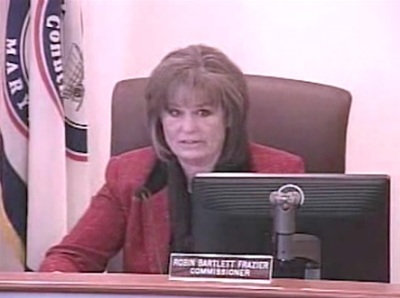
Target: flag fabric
(43, 126)
(14, 136)
(78, 184)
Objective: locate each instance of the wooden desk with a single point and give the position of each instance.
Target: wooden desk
(66, 285)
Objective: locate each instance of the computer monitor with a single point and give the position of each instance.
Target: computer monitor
(349, 213)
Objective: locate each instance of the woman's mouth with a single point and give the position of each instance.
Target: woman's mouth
(190, 142)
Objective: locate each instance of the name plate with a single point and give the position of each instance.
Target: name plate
(215, 267)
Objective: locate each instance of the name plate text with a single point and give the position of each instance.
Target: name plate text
(215, 267)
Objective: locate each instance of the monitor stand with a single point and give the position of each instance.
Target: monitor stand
(296, 255)
(303, 259)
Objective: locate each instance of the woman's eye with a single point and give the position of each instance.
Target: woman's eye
(204, 112)
(173, 112)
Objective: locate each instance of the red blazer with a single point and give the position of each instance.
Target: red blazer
(116, 219)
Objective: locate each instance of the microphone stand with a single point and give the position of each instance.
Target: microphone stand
(296, 255)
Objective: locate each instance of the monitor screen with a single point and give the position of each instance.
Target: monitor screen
(349, 213)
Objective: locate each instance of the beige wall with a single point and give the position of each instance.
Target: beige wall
(353, 44)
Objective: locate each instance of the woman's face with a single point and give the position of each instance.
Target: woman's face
(194, 131)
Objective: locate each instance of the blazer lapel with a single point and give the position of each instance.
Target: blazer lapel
(156, 231)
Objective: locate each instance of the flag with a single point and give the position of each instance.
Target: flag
(14, 135)
(54, 131)
(73, 94)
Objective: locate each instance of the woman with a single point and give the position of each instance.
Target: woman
(197, 105)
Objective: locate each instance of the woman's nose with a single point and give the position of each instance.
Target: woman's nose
(188, 123)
